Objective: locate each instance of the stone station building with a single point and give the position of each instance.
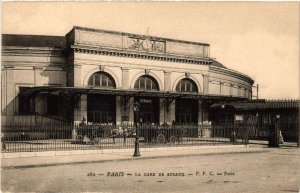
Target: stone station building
(100, 74)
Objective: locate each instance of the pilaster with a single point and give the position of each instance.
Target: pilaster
(10, 90)
(37, 76)
(205, 83)
(77, 75)
(167, 81)
(125, 78)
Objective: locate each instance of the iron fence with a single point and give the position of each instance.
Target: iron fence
(84, 137)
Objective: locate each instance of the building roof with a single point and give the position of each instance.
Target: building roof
(32, 91)
(217, 64)
(33, 40)
(260, 105)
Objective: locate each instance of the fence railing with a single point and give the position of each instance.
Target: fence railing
(29, 120)
(83, 137)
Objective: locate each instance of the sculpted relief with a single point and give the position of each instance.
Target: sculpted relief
(145, 45)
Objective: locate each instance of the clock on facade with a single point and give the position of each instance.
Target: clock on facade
(147, 44)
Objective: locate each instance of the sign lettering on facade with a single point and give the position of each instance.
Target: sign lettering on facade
(145, 101)
(238, 117)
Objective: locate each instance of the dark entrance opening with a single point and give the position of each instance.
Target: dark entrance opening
(101, 108)
(149, 110)
(186, 111)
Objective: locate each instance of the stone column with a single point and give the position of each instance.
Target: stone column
(200, 112)
(10, 90)
(81, 109)
(125, 110)
(205, 109)
(205, 83)
(118, 110)
(162, 111)
(172, 111)
(130, 110)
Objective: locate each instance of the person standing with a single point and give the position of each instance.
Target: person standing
(2, 141)
(281, 140)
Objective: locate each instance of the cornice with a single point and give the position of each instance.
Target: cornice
(139, 66)
(18, 64)
(232, 73)
(13, 50)
(136, 35)
(147, 56)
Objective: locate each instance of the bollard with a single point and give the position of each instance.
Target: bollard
(136, 148)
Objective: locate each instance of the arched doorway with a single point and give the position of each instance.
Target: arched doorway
(149, 106)
(186, 110)
(101, 108)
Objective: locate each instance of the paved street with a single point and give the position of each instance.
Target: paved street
(274, 171)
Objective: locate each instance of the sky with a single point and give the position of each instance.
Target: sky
(260, 39)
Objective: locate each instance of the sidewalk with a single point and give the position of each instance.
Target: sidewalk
(42, 159)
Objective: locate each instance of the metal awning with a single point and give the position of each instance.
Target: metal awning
(32, 91)
(259, 105)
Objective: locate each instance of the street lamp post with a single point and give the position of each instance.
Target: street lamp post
(136, 108)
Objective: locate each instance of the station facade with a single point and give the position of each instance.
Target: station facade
(99, 75)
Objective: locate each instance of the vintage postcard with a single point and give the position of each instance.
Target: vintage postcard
(150, 97)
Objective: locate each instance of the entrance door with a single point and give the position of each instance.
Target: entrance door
(101, 108)
(101, 117)
(185, 118)
(186, 111)
(149, 111)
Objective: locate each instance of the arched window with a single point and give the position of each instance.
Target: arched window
(186, 85)
(102, 79)
(146, 83)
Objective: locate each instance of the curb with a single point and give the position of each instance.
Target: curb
(105, 151)
(128, 159)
